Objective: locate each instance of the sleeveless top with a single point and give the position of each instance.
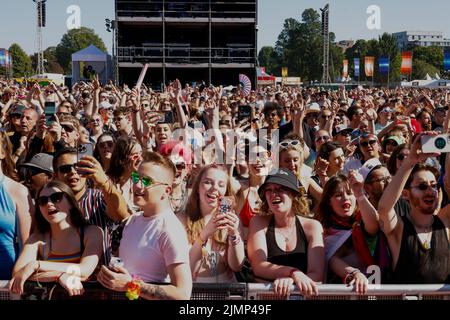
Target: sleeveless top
(247, 212)
(418, 265)
(9, 245)
(297, 258)
(67, 258)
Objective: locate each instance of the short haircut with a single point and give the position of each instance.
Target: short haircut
(69, 118)
(327, 148)
(418, 168)
(59, 154)
(271, 106)
(156, 158)
(121, 110)
(352, 111)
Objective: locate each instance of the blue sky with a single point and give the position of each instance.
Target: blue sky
(347, 18)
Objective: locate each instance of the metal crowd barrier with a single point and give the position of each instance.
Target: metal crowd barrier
(242, 291)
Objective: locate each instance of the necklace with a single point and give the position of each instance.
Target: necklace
(428, 230)
(287, 236)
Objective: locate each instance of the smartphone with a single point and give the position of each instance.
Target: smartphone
(244, 112)
(436, 144)
(168, 117)
(50, 111)
(85, 149)
(225, 205)
(115, 262)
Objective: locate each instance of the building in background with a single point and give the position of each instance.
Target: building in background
(406, 39)
(197, 40)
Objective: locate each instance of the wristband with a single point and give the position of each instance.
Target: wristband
(133, 288)
(57, 279)
(349, 276)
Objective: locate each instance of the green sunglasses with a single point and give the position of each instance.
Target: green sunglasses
(147, 182)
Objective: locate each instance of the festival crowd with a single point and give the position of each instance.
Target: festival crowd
(149, 192)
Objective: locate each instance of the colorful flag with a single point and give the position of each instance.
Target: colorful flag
(383, 63)
(246, 84)
(406, 67)
(369, 65)
(2, 57)
(284, 72)
(345, 68)
(356, 62)
(447, 61)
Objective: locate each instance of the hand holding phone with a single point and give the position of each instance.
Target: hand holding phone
(84, 150)
(225, 205)
(50, 111)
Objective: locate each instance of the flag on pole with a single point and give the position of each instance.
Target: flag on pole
(383, 65)
(369, 65)
(406, 67)
(447, 61)
(356, 62)
(345, 68)
(245, 83)
(8, 59)
(2, 57)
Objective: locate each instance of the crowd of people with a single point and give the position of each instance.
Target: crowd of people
(126, 187)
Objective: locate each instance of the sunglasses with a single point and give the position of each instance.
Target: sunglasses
(63, 114)
(325, 117)
(34, 171)
(67, 168)
(365, 144)
(291, 143)
(323, 138)
(147, 182)
(54, 198)
(67, 128)
(104, 144)
(424, 187)
(180, 166)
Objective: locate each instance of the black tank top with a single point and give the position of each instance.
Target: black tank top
(296, 258)
(417, 265)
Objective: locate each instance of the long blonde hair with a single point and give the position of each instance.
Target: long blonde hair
(194, 219)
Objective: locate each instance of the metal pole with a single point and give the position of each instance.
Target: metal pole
(210, 46)
(164, 44)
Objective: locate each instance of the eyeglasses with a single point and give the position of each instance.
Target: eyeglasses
(401, 156)
(384, 180)
(425, 187)
(147, 182)
(365, 144)
(63, 114)
(291, 143)
(54, 198)
(67, 168)
(104, 144)
(67, 128)
(323, 138)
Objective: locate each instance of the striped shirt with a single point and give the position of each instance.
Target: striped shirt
(94, 208)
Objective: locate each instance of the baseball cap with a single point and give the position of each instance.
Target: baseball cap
(283, 178)
(341, 128)
(17, 109)
(394, 138)
(41, 161)
(313, 107)
(368, 167)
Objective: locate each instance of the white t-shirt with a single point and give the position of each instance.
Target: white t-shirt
(150, 244)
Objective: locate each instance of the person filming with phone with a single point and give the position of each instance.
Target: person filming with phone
(418, 241)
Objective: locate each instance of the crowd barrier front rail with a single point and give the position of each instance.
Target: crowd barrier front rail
(241, 291)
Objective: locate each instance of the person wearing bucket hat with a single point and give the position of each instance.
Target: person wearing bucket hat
(283, 245)
(39, 171)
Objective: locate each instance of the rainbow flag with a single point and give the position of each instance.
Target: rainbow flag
(406, 67)
(369, 63)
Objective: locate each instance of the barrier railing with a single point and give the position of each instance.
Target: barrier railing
(242, 291)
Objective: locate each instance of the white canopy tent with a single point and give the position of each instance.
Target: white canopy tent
(94, 61)
(428, 82)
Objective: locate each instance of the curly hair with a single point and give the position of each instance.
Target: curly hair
(300, 204)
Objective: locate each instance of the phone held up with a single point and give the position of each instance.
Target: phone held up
(83, 150)
(436, 144)
(50, 111)
(225, 205)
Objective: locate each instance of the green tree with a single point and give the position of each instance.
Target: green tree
(299, 47)
(21, 61)
(51, 65)
(422, 68)
(433, 56)
(73, 41)
(269, 59)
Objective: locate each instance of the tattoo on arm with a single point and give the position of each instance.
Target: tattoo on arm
(154, 291)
